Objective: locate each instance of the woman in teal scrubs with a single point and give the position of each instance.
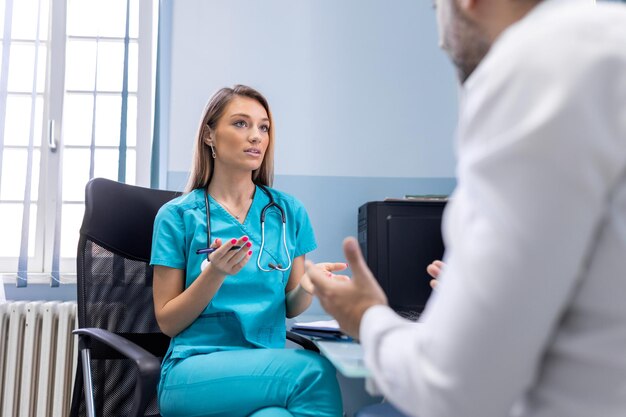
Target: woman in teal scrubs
(226, 312)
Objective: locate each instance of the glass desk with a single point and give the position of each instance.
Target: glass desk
(347, 357)
(352, 375)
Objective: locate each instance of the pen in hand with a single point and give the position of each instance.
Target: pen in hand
(211, 250)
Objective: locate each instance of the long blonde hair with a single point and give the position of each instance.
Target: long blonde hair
(202, 163)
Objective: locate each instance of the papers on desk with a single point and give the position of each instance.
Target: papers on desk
(325, 329)
(323, 325)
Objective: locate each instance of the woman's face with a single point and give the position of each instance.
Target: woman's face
(241, 136)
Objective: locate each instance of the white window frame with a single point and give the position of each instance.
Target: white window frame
(49, 196)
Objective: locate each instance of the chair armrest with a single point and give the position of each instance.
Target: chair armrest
(148, 365)
(302, 341)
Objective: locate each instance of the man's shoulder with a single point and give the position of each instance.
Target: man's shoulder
(560, 44)
(564, 28)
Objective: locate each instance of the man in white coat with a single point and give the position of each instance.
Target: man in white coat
(529, 317)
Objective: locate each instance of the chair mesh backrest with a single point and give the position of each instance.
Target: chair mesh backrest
(114, 281)
(116, 292)
(117, 296)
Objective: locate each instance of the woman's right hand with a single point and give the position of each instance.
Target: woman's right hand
(228, 261)
(434, 270)
(176, 307)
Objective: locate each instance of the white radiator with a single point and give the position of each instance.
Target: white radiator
(37, 358)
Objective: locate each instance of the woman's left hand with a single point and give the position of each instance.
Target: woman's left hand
(329, 267)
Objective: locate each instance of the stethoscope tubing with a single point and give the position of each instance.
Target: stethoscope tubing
(269, 205)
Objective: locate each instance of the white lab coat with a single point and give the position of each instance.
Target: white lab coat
(530, 315)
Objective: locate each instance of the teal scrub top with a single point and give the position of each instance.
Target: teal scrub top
(248, 310)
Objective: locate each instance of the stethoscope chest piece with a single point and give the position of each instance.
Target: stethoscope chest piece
(204, 264)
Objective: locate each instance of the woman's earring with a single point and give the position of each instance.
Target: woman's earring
(212, 151)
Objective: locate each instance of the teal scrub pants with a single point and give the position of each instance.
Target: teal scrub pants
(250, 383)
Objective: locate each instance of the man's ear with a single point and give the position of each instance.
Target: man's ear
(467, 5)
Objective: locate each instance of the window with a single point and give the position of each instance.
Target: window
(76, 102)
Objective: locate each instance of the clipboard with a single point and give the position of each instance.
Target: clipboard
(325, 329)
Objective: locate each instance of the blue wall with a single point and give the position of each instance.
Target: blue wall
(36, 291)
(363, 99)
(332, 203)
(357, 87)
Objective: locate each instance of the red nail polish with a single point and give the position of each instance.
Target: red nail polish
(233, 241)
(245, 238)
(249, 252)
(248, 244)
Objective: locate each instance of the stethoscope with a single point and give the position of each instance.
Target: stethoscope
(269, 205)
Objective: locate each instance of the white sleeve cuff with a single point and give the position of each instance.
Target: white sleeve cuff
(376, 320)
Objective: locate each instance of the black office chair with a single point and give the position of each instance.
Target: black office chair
(120, 344)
